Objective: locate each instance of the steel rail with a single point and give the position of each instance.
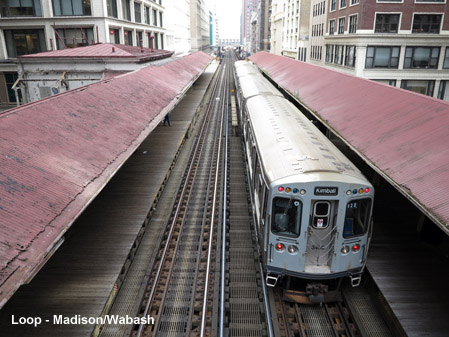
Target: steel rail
(223, 241)
(211, 230)
(173, 223)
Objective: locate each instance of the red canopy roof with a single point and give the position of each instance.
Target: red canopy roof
(56, 155)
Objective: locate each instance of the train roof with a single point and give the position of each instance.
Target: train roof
(244, 68)
(253, 85)
(289, 144)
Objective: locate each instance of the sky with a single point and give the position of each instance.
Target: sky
(228, 13)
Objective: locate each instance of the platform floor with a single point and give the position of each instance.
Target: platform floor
(82, 278)
(412, 275)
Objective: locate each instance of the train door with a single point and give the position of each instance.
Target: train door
(321, 236)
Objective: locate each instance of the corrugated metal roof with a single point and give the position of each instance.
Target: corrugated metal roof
(103, 50)
(58, 153)
(403, 135)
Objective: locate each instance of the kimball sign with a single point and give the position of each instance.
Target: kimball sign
(326, 190)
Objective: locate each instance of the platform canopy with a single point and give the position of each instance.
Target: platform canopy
(402, 135)
(58, 153)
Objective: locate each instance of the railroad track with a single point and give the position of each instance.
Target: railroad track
(242, 302)
(179, 295)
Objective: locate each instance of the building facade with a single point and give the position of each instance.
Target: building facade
(33, 26)
(248, 7)
(264, 25)
(402, 43)
(199, 26)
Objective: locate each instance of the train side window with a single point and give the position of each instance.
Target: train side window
(286, 216)
(265, 204)
(357, 217)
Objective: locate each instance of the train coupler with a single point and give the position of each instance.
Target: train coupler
(271, 280)
(355, 280)
(315, 293)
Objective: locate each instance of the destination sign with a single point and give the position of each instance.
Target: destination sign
(326, 190)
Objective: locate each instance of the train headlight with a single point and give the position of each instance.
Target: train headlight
(355, 248)
(280, 247)
(292, 249)
(345, 250)
(302, 192)
(348, 192)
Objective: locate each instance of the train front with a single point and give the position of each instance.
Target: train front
(318, 230)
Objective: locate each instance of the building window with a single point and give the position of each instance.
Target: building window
(128, 37)
(333, 5)
(329, 53)
(382, 57)
(331, 27)
(20, 8)
(354, 2)
(154, 18)
(342, 4)
(389, 0)
(147, 15)
(126, 6)
(446, 59)
(10, 79)
(139, 38)
(443, 1)
(443, 93)
(389, 82)
(114, 36)
(387, 23)
(341, 25)
(137, 14)
(71, 7)
(162, 41)
(338, 59)
(156, 40)
(160, 19)
(421, 87)
(353, 24)
(74, 37)
(112, 8)
(24, 41)
(421, 57)
(424, 23)
(350, 56)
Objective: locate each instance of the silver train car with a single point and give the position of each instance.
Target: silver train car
(312, 206)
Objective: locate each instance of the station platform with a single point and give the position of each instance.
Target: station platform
(82, 279)
(411, 274)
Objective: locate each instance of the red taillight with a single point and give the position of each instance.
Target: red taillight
(356, 248)
(280, 188)
(280, 246)
(367, 190)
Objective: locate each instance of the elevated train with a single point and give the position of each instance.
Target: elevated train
(312, 206)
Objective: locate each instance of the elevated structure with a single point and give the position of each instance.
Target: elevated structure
(57, 154)
(28, 27)
(400, 134)
(49, 73)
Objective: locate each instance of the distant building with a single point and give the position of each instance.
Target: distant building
(264, 25)
(254, 33)
(199, 26)
(33, 26)
(49, 73)
(248, 7)
(403, 43)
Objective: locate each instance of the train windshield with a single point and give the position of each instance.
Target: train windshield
(357, 217)
(286, 216)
